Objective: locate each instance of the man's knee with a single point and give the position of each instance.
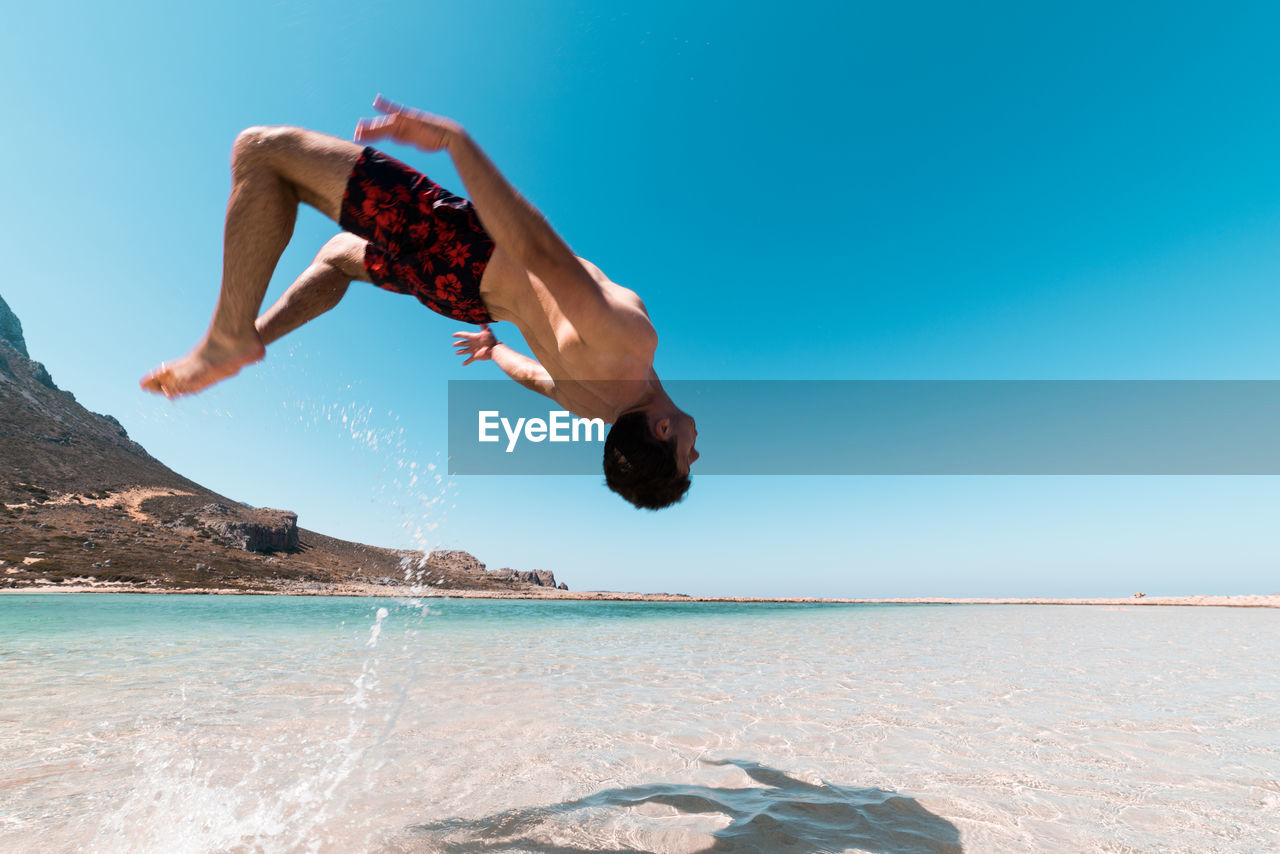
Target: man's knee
(345, 252)
(262, 145)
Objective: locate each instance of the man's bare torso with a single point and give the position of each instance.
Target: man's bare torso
(598, 364)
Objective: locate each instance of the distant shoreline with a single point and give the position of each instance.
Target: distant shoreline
(1271, 600)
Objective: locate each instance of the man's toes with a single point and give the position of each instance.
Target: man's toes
(158, 380)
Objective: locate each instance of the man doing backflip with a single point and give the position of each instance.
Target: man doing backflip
(492, 258)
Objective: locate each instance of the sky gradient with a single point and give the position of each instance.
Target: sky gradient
(878, 191)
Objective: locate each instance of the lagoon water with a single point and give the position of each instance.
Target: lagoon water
(134, 723)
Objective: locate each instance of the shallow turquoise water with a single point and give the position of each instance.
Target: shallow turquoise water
(213, 723)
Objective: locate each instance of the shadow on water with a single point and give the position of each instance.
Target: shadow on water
(782, 815)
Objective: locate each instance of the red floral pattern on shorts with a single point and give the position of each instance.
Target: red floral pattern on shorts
(423, 240)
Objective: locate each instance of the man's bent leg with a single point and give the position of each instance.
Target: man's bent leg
(320, 287)
(272, 169)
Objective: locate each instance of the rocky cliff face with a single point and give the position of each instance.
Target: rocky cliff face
(79, 498)
(463, 562)
(536, 577)
(11, 330)
(457, 561)
(253, 530)
(49, 441)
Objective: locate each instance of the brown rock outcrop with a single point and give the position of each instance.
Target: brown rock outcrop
(456, 561)
(254, 530)
(536, 577)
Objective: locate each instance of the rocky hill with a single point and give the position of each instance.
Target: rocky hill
(82, 503)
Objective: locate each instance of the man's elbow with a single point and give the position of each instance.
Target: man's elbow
(544, 386)
(528, 379)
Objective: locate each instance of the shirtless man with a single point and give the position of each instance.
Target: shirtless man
(498, 259)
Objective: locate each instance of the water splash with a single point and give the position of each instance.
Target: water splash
(205, 780)
(293, 787)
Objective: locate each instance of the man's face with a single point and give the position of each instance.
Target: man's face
(684, 431)
(686, 435)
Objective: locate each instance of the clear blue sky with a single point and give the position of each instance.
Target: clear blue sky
(805, 190)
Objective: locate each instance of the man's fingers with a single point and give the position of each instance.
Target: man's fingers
(393, 125)
(372, 129)
(384, 105)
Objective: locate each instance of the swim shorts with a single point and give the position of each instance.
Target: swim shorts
(423, 240)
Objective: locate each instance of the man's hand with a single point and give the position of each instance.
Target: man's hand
(412, 127)
(475, 345)
(528, 372)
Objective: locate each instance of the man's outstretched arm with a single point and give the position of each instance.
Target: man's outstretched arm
(528, 372)
(515, 224)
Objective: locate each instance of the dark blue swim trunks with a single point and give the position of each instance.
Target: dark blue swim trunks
(423, 240)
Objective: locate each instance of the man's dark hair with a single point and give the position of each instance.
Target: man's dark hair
(640, 467)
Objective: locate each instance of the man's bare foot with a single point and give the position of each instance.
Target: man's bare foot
(212, 360)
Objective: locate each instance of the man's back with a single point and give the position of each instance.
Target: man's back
(595, 359)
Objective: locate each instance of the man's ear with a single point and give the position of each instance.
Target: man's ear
(662, 428)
